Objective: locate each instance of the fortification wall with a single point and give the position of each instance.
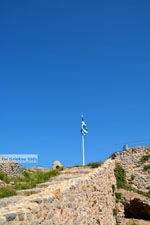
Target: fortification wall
(131, 161)
(11, 168)
(87, 201)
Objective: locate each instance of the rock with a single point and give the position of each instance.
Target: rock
(2, 183)
(28, 191)
(35, 223)
(21, 216)
(133, 203)
(38, 200)
(12, 183)
(38, 168)
(10, 200)
(10, 217)
(50, 215)
(2, 221)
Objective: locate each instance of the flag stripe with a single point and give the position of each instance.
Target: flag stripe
(83, 127)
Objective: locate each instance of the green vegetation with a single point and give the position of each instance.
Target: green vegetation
(98, 221)
(7, 191)
(29, 180)
(132, 223)
(30, 193)
(145, 157)
(147, 167)
(94, 164)
(75, 166)
(113, 188)
(132, 177)
(113, 156)
(3, 177)
(120, 199)
(115, 212)
(118, 196)
(129, 188)
(120, 176)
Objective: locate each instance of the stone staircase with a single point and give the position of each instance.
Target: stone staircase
(65, 175)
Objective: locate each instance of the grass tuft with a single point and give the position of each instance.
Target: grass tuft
(115, 212)
(7, 191)
(118, 195)
(4, 177)
(145, 157)
(113, 188)
(94, 164)
(120, 176)
(147, 167)
(28, 181)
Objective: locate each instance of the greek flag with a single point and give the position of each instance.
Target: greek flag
(83, 127)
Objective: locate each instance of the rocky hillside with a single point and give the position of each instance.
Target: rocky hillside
(118, 192)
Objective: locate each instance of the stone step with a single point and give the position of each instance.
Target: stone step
(29, 191)
(59, 179)
(56, 181)
(76, 171)
(66, 174)
(62, 177)
(46, 184)
(10, 200)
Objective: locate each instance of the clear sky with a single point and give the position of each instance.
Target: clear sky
(60, 59)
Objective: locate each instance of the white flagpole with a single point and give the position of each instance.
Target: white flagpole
(83, 156)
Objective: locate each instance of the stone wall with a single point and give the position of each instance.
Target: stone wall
(11, 168)
(131, 161)
(86, 200)
(81, 201)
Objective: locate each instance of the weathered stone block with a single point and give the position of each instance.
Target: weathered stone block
(10, 217)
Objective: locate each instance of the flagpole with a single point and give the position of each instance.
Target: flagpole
(83, 156)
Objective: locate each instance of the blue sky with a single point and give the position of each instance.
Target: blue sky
(60, 59)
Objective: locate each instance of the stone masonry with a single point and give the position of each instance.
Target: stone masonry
(131, 161)
(56, 165)
(87, 200)
(11, 168)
